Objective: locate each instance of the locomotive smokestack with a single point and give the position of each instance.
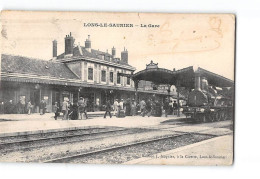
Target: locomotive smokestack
(204, 84)
(197, 81)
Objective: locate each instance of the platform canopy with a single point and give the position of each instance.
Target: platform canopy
(182, 78)
(215, 79)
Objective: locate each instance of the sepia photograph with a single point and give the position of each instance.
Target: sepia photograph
(117, 88)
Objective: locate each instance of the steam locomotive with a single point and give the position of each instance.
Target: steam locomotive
(208, 103)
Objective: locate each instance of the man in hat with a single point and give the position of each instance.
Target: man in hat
(56, 110)
(133, 107)
(128, 107)
(122, 104)
(116, 107)
(108, 109)
(142, 107)
(175, 108)
(121, 110)
(81, 107)
(65, 109)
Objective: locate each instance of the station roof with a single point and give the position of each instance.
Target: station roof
(25, 65)
(80, 52)
(184, 77)
(215, 79)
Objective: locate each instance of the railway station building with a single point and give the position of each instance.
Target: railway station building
(78, 72)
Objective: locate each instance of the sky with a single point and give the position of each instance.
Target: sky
(177, 41)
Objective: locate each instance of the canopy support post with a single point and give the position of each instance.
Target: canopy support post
(79, 93)
(168, 91)
(136, 90)
(178, 103)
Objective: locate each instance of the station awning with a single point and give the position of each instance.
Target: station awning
(215, 79)
(184, 77)
(156, 75)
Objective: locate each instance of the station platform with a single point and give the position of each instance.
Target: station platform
(22, 124)
(215, 151)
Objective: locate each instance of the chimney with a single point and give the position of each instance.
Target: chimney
(54, 50)
(124, 56)
(197, 81)
(113, 52)
(88, 44)
(69, 41)
(204, 84)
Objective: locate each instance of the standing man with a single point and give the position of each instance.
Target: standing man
(108, 109)
(128, 107)
(116, 107)
(175, 108)
(158, 109)
(133, 108)
(74, 111)
(81, 107)
(142, 107)
(41, 107)
(44, 106)
(166, 107)
(65, 109)
(121, 110)
(149, 107)
(86, 108)
(122, 105)
(29, 107)
(56, 110)
(9, 107)
(170, 107)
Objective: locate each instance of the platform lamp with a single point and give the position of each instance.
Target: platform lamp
(178, 96)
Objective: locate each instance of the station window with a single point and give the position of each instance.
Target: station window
(118, 79)
(90, 73)
(128, 80)
(103, 75)
(111, 77)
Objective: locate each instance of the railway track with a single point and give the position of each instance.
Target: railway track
(97, 150)
(58, 140)
(68, 158)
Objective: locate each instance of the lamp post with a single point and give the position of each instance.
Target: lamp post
(80, 88)
(178, 98)
(136, 90)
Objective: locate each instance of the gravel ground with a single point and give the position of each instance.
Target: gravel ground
(141, 150)
(220, 124)
(207, 124)
(46, 153)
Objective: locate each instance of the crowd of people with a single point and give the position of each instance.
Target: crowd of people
(21, 107)
(118, 108)
(147, 107)
(71, 110)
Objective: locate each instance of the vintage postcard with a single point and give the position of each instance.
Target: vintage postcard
(117, 88)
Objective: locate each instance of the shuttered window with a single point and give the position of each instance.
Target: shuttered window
(90, 73)
(111, 77)
(103, 76)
